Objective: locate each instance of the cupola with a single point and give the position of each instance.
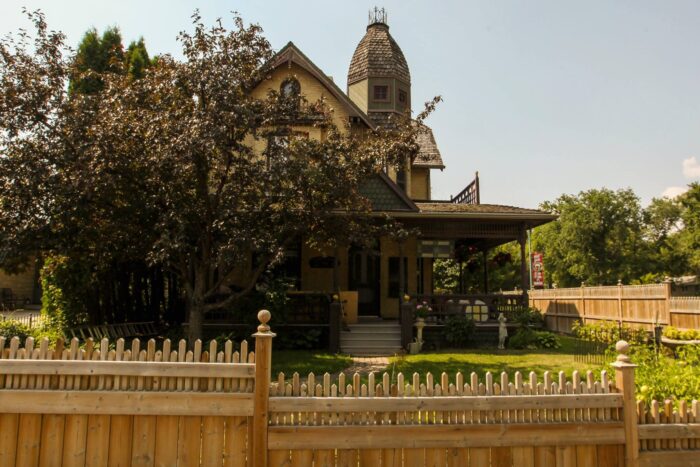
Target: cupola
(379, 81)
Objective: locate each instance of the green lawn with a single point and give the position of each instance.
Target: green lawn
(306, 361)
(493, 360)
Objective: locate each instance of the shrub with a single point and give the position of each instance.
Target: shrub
(609, 332)
(547, 340)
(295, 339)
(459, 330)
(661, 377)
(12, 328)
(528, 317)
(524, 338)
(681, 335)
(63, 283)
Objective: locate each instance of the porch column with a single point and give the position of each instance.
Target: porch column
(402, 272)
(336, 271)
(486, 271)
(524, 279)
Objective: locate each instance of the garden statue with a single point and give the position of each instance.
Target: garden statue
(502, 331)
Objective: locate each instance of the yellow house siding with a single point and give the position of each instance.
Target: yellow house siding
(311, 88)
(358, 93)
(22, 284)
(321, 279)
(420, 183)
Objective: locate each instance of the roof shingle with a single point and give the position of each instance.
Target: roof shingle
(378, 56)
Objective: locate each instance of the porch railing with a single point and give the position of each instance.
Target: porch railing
(481, 307)
(470, 194)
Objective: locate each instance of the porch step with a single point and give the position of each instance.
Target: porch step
(371, 338)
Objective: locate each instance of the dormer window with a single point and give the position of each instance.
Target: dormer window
(381, 93)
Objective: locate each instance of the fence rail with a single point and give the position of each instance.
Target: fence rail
(103, 404)
(28, 319)
(643, 306)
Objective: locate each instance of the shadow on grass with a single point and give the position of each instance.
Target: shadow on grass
(306, 361)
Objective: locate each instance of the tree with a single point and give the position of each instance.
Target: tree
(162, 167)
(97, 55)
(598, 238)
(690, 236)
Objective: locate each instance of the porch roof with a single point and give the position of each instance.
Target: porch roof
(478, 212)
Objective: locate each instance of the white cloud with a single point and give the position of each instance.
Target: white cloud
(691, 168)
(673, 191)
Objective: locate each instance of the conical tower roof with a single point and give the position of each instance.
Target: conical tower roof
(378, 55)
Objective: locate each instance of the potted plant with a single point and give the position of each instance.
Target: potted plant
(422, 310)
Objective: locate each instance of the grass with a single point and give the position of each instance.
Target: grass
(306, 361)
(491, 359)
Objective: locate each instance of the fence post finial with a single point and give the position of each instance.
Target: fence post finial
(624, 380)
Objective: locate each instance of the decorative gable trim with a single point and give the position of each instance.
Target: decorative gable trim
(291, 54)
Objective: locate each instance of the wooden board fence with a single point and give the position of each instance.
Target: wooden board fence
(437, 421)
(103, 404)
(641, 306)
(669, 434)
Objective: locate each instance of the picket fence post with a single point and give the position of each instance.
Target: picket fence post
(263, 362)
(624, 380)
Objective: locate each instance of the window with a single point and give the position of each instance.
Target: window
(381, 93)
(401, 179)
(290, 88)
(403, 98)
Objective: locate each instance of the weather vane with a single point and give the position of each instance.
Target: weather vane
(377, 16)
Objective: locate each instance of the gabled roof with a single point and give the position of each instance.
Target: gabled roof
(429, 154)
(386, 196)
(290, 53)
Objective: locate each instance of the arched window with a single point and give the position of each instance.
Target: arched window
(290, 88)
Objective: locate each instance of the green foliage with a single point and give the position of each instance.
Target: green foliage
(62, 282)
(690, 235)
(660, 376)
(524, 338)
(97, 56)
(528, 317)
(546, 340)
(603, 236)
(446, 276)
(298, 339)
(681, 335)
(11, 328)
(609, 332)
(459, 330)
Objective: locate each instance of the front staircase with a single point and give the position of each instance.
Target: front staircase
(371, 337)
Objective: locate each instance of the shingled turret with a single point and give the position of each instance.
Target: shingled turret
(379, 81)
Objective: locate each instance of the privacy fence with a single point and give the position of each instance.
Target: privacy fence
(642, 306)
(105, 404)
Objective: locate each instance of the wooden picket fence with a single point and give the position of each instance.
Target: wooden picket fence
(642, 306)
(104, 404)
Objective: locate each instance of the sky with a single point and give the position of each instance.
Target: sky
(542, 97)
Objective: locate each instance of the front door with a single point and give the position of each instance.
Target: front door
(363, 267)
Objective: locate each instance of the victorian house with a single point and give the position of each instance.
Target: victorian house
(373, 282)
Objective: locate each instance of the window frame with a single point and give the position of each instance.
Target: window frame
(387, 97)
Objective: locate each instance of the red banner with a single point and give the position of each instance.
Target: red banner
(537, 270)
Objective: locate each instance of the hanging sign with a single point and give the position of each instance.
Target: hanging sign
(538, 270)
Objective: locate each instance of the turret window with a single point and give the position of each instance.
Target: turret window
(403, 97)
(381, 93)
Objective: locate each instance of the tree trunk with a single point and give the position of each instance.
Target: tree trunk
(196, 317)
